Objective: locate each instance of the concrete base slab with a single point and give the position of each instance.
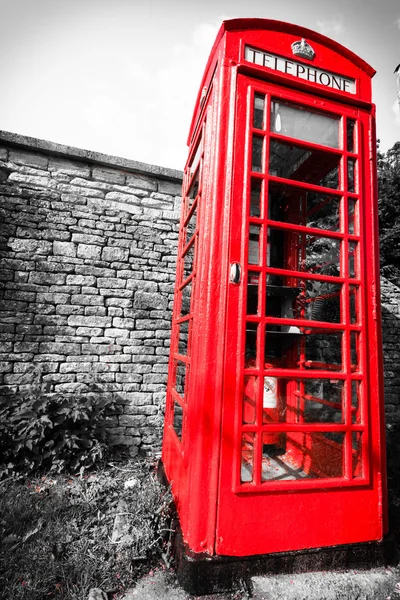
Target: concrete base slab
(375, 584)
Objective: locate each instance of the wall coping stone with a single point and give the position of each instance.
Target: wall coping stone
(70, 152)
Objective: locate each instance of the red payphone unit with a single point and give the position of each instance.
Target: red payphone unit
(274, 431)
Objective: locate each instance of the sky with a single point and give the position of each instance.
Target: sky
(121, 76)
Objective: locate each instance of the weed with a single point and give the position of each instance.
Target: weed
(57, 532)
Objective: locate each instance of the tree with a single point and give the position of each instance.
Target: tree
(389, 210)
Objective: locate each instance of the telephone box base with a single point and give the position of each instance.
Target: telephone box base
(200, 574)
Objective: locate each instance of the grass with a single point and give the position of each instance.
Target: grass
(57, 533)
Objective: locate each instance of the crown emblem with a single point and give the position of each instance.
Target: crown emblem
(303, 49)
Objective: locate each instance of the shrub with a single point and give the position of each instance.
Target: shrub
(42, 430)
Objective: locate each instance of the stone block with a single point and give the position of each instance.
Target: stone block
(53, 298)
(123, 323)
(40, 278)
(89, 251)
(108, 175)
(67, 188)
(70, 309)
(170, 187)
(89, 331)
(59, 348)
(89, 321)
(146, 301)
(124, 198)
(6, 367)
(89, 184)
(26, 347)
(113, 311)
(86, 238)
(111, 282)
(115, 206)
(64, 249)
(96, 311)
(28, 158)
(96, 271)
(30, 246)
(141, 182)
(116, 333)
(120, 302)
(111, 254)
(87, 300)
(71, 388)
(63, 165)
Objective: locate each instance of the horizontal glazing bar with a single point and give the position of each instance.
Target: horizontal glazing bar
(309, 275)
(305, 144)
(301, 484)
(305, 185)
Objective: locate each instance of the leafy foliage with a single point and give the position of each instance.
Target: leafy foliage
(389, 210)
(41, 430)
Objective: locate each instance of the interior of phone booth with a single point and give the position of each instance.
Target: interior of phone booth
(314, 454)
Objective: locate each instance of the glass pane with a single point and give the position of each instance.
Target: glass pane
(183, 338)
(355, 402)
(258, 119)
(320, 255)
(304, 252)
(303, 124)
(191, 226)
(283, 345)
(250, 395)
(351, 166)
(323, 350)
(289, 204)
(255, 198)
(353, 262)
(303, 299)
(311, 166)
(354, 304)
(355, 350)
(247, 462)
(254, 244)
(257, 154)
(252, 292)
(180, 381)
(322, 400)
(193, 191)
(196, 158)
(188, 262)
(296, 455)
(251, 344)
(186, 295)
(351, 211)
(351, 135)
(178, 419)
(357, 464)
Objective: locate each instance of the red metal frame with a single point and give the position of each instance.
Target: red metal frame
(220, 512)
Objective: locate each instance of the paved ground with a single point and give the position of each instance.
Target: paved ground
(375, 584)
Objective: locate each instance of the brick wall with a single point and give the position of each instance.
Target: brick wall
(87, 248)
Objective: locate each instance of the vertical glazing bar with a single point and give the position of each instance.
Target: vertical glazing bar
(344, 270)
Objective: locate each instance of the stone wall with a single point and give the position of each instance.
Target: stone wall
(88, 249)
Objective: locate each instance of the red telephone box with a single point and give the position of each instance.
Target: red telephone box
(274, 431)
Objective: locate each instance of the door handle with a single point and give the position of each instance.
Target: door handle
(235, 273)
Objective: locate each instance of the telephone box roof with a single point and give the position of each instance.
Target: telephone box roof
(237, 25)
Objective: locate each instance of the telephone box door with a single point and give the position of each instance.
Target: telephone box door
(300, 448)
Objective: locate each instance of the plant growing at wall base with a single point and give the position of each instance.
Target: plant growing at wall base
(42, 430)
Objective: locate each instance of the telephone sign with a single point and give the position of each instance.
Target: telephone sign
(274, 431)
